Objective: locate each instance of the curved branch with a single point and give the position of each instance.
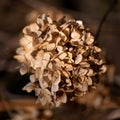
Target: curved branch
(112, 5)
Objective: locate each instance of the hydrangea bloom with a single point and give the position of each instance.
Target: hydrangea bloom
(62, 58)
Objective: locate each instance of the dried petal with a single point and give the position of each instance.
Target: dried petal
(37, 91)
(44, 96)
(84, 87)
(89, 80)
(32, 78)
(26, 40)
(20, 58)
(60, 49)
(50, 46)
(103, 69)
(84, 64)
(33, 28)
(29, 87)
(62, 55)
(40, 21)
(68, 81)
(90, 72)
(23, 70)
(69, 67)
(43, 84)
(20, 51)
(45, 60)
(61, 99)
(78, 59)
(50, 66)
(57, 77)
(89, 39)
(97, 49)
(64, 98)
(49, 20)
(48, 37)
(83, 72)
(75, 35)
(54, 87)
(43, 100)
(79, 22)
(66, 74)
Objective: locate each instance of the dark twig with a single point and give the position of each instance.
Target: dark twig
(112, 5)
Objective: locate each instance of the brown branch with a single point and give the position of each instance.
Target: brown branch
(112, 5)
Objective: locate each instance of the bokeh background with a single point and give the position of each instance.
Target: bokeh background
(15, 15)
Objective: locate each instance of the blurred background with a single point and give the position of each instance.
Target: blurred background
(104, 103)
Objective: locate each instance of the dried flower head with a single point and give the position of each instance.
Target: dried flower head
(62, 58)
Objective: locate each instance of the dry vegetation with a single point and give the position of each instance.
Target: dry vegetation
(61, 62)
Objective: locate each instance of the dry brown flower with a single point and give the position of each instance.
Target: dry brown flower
(62, 58)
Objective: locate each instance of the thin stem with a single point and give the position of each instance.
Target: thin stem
(112, 5)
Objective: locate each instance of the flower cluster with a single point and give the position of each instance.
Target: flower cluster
(62, 59)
